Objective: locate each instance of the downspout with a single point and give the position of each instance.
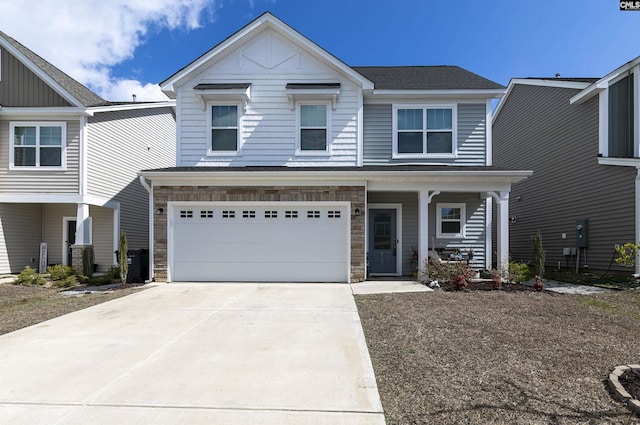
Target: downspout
(148, 188)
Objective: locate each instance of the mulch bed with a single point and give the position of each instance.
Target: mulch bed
(630, 381)
(484, 356)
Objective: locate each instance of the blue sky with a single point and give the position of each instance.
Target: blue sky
(131, 45)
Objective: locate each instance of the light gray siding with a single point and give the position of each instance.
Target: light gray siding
(121, 144)
(378, 136)
(21, 87)
(475, 223)
(33, 180)
(537, 129)
(102, 237)
(20, 229)
(268, 125)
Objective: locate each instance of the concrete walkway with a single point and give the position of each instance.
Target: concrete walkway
(567, 288)
(187, 353)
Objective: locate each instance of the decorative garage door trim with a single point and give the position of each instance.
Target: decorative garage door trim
(259, 241)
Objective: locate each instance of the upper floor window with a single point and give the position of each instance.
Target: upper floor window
(424, 130)
(225, 129)
(37, 144)
(313, 128)
(450, 220)
(621, 118)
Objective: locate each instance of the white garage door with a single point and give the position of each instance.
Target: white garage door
(261, 242)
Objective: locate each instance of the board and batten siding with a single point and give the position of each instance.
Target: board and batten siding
(268, 126)
(538, 129)
(32, 179)
(378, 136)
(475, 236)
(122, 143)
(20, 230)
(19, 87)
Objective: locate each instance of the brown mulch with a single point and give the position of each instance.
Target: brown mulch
(514, 356)
(22, 306)
(630, 380)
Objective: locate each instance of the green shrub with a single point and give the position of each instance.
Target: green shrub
(519, 272)
(60, 272)
(68, 282)
(28, 277)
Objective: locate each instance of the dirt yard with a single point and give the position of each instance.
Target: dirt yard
(501, 357)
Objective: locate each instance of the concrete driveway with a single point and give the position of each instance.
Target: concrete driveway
(195, 353)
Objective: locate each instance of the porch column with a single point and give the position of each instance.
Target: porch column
(502, 201)
(424, 199)
(83, 242)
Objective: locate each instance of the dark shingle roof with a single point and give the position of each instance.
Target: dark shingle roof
(425, 78)
(74, 88)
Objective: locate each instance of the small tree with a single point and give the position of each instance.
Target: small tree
(538, 255)
(122, 256)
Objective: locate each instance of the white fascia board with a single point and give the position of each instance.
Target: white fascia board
(57, 198)
(133, 106)
(261, 178)
(40, 73)
(267, 20)
(603, 83)
(43, 111)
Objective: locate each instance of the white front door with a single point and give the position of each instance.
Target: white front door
(261, 242)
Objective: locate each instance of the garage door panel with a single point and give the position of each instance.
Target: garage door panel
(271, 242)
(263, 272)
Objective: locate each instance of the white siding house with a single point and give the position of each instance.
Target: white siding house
(335, 172)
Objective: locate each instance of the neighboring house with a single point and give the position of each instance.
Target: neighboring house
(293, 166)
(580, 137)
(69, 162)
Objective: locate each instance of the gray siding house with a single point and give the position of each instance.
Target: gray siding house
(294, 166)
(585, 166)
(69, 162)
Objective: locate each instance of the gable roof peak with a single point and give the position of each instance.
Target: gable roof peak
(75, 92)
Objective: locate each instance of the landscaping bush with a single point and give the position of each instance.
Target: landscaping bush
(60, 272)
(519, 272)
(445, 271)
(68, 282)
(28, 276)
(538, 255)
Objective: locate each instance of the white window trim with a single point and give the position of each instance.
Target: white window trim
(463, 220)
(239, 144)
(63, 147)
(425, 106)
(327, 150)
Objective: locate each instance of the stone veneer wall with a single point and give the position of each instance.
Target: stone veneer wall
(354, 194)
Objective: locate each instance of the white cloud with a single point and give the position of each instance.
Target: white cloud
(85, 38)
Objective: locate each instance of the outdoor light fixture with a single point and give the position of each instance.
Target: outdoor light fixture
(160, 211)
(356, 212)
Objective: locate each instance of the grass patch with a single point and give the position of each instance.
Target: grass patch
(597, 303)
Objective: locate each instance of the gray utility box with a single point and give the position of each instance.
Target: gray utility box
(582, 233)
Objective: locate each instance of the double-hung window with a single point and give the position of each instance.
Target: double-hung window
(39, 145)
(450, 220)
(225, 129)
(420, 130)
(313, 129)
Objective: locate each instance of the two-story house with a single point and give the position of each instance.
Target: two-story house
(580, 137)
(69, 162)
(294, 166)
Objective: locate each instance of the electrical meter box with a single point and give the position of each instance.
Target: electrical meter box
(582, 232)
